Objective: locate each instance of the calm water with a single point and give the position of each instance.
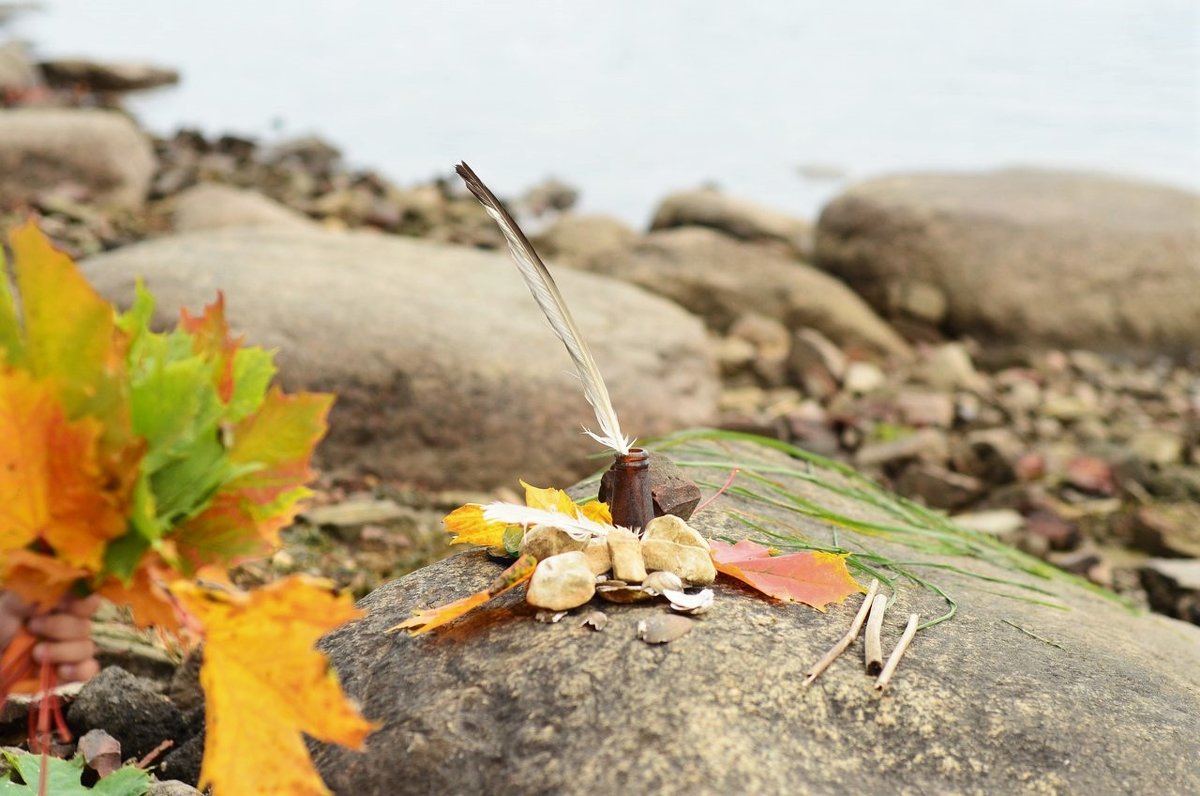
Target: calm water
(782, 101)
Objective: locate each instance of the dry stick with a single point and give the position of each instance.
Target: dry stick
(894, 659)
(872, 645)
(847, 639)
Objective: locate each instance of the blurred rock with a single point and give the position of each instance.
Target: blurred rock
(1168, 529)
(948, 367)
(1157, 446)
(89, 75)
(938, 487)
(18, 73)
(926, 445)
(922, 408)
(1173, 586)
(577, 240)
(736, 218)
(128, 708)
(549, 195)
(863, 377)
(211, 206)
(1058, 533)
(1091, 475)
(1002, 524)
(815, 364)
(1067, 239)
(771, 341)
(101, 151)
(721, 280)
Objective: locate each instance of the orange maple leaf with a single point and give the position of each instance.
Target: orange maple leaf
(812, 578)
(210, 336)
(40, 580)
(52, 485)
(426, 620)
(258, 659)
(146, 595)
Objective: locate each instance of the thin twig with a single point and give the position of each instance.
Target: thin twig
(873, 647)
(153, 754)
(717, 494)
(847, 639)
(894, 659)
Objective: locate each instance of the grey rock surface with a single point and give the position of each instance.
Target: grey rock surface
(1051, 258)
(737, 218)
(721, 280)
(576, 240)
(130, 709)
(1007, 697)
(211, 205)
(447, 374)
(102, 151)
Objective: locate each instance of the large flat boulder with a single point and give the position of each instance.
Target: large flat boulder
(721, 280)
(1008, 696)
(100, 151)
(447, 374)
(1036, 257)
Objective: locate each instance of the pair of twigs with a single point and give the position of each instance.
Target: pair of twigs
(873, 607)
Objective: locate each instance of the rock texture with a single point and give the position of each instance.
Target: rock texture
(576, 240)
(721, 280)
(101, 151)
(737, 218)
(211, 205)
(1024, 256)
(447, 373)
(1007, 697)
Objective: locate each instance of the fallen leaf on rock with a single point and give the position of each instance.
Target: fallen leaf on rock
(663, 628)
(812, 578)
(259, 657)
(426, 620)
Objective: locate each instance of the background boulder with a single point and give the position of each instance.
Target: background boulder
(1042, 257)
(447, 374)
(102, 152)
(721, 279)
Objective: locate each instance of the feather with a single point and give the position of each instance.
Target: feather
(576, 527)
(546, 293)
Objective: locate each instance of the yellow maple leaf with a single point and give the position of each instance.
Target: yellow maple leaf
(429, 618)
(258, 661)
(470, 527)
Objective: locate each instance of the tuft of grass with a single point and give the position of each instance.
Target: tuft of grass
(930, 535)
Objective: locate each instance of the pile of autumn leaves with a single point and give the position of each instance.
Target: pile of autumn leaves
(136, 464)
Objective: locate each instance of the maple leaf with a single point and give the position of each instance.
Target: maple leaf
(258, 659)
(429, 618)
(271, 449)
(52, 486)
(812, 578)
(63, 777)
(469, 526)
(145, 594)
(40, 580)
(210, 337)
(70, 338)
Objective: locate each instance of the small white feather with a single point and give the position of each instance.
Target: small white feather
(580, 528)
